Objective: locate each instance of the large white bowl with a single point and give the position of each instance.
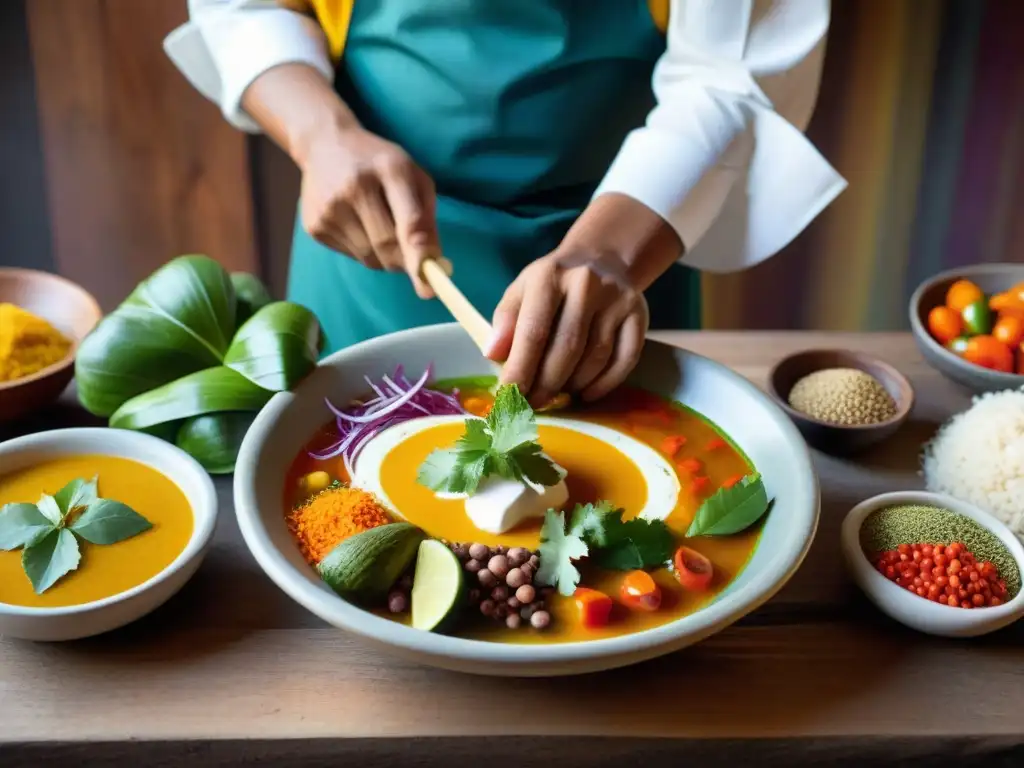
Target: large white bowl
(738, 407)
(77, 621)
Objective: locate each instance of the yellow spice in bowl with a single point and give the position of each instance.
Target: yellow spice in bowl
(845, 396)
(28, 344)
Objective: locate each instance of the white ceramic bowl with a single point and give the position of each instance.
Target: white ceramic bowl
(77, 621)
(766, 435)
(912, 610)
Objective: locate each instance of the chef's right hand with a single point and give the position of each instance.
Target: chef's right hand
(364, 197)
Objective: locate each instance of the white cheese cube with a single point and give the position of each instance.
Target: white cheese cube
(500, 505)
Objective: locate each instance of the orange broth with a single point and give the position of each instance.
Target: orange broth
(596, 471)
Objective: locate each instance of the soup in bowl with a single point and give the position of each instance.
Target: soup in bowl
(399, 493)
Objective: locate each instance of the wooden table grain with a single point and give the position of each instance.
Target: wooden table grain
(232, 671)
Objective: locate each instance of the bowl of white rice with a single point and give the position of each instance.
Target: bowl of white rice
(978, 457)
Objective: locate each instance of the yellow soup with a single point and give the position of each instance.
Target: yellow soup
(104, 570)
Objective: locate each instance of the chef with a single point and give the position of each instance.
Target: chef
(563, 155)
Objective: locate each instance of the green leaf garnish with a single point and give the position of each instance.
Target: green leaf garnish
(731, 510)
(22, 525)
(108, 522)
(595, 523)
(46, 531)
(636, 543)
(558, 549)
(504, 444)
(54, 556)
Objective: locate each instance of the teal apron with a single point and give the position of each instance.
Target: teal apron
(516, 109)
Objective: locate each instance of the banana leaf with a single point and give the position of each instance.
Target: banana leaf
(178, 321)
(251, 296)
(214, 439)
(277, 347)
(207, 391)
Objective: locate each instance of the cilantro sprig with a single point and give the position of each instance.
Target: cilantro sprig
(48, 531)
(503, 445)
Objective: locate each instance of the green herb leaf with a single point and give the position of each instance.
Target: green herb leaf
(108, 522)
(51, 558)
(251, 295)
(528, 463)
(511, 420)
(78, 493)
(208, 391)
(22, 525)
(731, 510)
(558, 550)
(595, 523)
(214, 439)
(50, 509)
(637, 543)
(277, 347)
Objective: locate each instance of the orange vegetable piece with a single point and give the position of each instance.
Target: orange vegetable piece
(989, 352)
(477, 406)
(691, 465)
(1020, 358)
(594, 608)
(715, 443)
(945, 324)
(700, 485)
(1009, 329)
(731, 481)
(672, 444)
(640, 592)
(1008, 303)
(961, 294)
(692, 569)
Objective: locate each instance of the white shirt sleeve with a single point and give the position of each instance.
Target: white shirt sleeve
(722, 156)
(227, 44)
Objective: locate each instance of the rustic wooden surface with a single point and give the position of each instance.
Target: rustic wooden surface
(232, 670)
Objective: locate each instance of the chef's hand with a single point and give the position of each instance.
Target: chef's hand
(365, 197)
(576, 319)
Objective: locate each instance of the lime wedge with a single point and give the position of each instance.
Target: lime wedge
(436, 587)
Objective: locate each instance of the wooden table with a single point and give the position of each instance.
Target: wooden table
(232, 670)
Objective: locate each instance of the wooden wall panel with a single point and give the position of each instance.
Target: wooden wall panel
(140, 168)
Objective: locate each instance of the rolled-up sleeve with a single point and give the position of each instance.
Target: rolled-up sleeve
(227, 44)
(722, 156)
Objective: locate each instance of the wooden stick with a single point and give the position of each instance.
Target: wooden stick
(436, 273)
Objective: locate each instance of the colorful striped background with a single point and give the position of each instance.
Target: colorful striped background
(922, 110)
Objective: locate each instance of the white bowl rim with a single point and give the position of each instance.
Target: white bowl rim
(1009, 380)
(204, 514)
(873, 582)
(712, 618)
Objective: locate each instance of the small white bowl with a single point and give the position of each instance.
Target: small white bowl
(88, 619)
(913, 610)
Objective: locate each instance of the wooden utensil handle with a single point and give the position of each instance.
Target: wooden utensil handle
(465, 313)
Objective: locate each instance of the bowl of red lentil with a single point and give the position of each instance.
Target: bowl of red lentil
(934, 563)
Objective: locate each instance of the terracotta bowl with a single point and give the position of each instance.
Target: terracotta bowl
(839, 439)
(991, 278)
(66, 306)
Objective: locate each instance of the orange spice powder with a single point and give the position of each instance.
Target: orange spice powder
(320, 523)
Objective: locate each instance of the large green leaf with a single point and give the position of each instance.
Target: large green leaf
(208, 391)
(277, 347)
(214, 439)
(251, 296)
(176, 322)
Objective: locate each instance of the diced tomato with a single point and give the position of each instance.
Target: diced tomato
(692, 569)
(595, 608)
(691, 465)
(729, 482)
(672, 444)
(700, 485)
(640, 592)
(715, 443)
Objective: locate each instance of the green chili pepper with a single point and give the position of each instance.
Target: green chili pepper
(977, 318)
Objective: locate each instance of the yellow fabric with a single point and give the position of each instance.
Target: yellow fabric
(659, 12)
(335, 15)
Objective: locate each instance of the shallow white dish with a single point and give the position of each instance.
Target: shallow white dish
(912, 610)
(747, 415)
(78, 621)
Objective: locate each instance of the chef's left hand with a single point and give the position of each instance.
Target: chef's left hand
(575, 320)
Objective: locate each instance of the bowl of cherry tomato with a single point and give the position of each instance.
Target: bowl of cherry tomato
(969, 324)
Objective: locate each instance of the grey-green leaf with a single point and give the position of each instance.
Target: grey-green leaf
(208, 391)
(731, 510)
(178, 321)
(48, 506)
(51, 558)
(214, 439)
(77, 493)
(108, 522)
(277, 347)
(22, 525)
